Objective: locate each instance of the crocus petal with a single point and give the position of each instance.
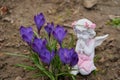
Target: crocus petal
(46, 56)
(39, 21)
(68, 56)
(49, 28)
(27, 34)
(38, 45)
(59, 33)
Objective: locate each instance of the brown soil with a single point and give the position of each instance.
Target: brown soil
(21, 12)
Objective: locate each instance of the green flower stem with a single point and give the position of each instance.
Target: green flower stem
(36, 34)
(50, 68)
(39, 65)
(17, 54)
(47, 73)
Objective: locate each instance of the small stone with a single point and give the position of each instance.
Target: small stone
(89, 3)
(26, 52)
(2, 39)
(113, 17)
(107, 65)
(18, 78)
(7, 19)
(102, 60)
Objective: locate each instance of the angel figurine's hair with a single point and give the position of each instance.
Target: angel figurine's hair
(84, 24)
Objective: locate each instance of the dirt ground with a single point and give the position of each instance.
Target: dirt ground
(63, 12)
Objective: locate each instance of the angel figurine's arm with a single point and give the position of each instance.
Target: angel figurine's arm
(89, 49)
(81, 46)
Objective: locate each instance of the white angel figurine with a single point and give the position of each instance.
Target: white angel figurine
(85, 46)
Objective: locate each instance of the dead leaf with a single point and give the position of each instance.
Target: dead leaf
(1, 54)
(102, 60)
(3, 10)
(26, 52)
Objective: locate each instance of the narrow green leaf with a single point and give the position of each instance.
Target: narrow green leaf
(35, 58)
(35, 33)
(95, 72)
(26, 67)
(17, 54)
(39, 65)
(54, 44)
(46, 72)
(66, 74)
(38, 75)
(73, 77)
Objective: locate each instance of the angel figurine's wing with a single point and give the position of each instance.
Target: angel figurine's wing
(100, 39)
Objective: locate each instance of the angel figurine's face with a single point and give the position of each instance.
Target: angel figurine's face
(83, 33)
(84, 29)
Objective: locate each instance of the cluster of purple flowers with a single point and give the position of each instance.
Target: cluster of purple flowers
(39, 45)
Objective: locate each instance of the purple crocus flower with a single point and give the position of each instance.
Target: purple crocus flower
(38, 45)
(46, 56)
(27, 34)
(59, 34)
(49, 28)
(39, 21)
(68, 56)
(74, 57)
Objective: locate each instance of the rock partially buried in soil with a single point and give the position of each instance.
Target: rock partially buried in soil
(8, 19)
(89, 3)
(18, 78)
(113, 17)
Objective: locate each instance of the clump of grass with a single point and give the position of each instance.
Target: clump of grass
(115, 22)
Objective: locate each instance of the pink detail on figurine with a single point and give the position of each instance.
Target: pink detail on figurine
(73, 24)
(85, 62)
(85, 46)
(92, 26)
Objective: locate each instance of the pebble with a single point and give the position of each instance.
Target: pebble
(113, 17)
(102, 60)
(2, 39)
(7, 19)
(107, 65)
(89, 3)
(18, 78)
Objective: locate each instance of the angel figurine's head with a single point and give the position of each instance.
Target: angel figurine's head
(84, 29)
